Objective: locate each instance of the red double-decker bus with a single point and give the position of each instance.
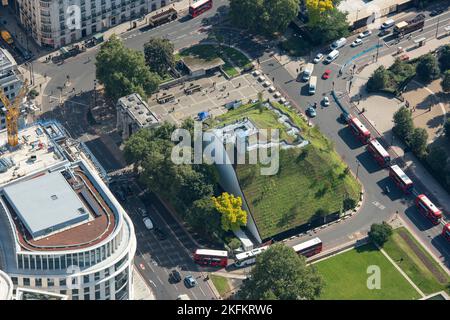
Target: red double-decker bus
(446, 232)
(401, 179)
(379, 153)
(199, 6)
(428, 209)
(309, 248)
(359, 130)
(213, 258)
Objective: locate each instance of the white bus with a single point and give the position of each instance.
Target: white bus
(248, 257)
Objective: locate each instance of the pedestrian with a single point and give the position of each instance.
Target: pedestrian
(297, 70)
(429, 108)
(273, 79)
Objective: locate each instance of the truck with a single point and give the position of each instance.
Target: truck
(312, 85)
(6, 36)
(308, 72)
(405, 27)
(163, 17)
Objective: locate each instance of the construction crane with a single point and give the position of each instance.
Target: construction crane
(12, 114)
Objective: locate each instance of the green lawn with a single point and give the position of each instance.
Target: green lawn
(309, 179)
(345, 277)
(402, 253)
(221, 284)
(209, 52)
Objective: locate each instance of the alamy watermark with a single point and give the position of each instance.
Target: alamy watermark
(260, 146)
(374, 279)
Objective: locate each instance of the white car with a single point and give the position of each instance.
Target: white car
(356, 43)
(148, 223)
(318, 57)
(326, 101)
(364, 34)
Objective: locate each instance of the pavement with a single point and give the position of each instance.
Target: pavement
(141, 291)
(381, 108)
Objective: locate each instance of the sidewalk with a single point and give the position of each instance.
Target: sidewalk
(379, 111)
(140, 289)
(179, 5)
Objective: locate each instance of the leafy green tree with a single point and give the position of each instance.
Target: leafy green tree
(348, 203)
(159, 55)
(447, 128)
(330, 26)
(192, 185)
(378, 80)
(446, 81)
(263, 16)
(437, 158)
(281, 274)
(444, 58)
(234, 244)
(418, 141)
(203, 217)
(403, 123)
(380, 233)
(123, 71)
(233, 216)
(428, 68)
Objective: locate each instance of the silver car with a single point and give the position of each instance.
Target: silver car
(318, 58)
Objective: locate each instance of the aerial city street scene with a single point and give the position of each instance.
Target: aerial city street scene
(233, 150)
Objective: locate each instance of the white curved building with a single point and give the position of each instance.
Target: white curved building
(61, 229)
(6, 286)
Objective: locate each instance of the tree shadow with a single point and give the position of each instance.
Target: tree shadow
(436, 121)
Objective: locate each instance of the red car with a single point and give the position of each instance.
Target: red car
(326, 74)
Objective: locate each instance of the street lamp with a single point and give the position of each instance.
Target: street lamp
(437, 26)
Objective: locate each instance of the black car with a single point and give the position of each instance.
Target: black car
(436, 12)
(175, 276)
(384, 32)
(160, 234)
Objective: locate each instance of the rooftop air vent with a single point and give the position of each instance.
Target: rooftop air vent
(54, 197)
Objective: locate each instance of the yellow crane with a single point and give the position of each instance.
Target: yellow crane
(12, 114)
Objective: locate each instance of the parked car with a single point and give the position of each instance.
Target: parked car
(311, 112)
(404, 57)
(356, 43)
(175, 276)
(364, 34)
(148, 223)
(318, 58)
(338, 44)
(161, 235)
(190, 281)
(436, 12)
(387, 24)
(326, 101)
(326, 74)
(384, 32)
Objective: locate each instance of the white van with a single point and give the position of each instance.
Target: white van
(332, 56)
(308, 71)
(312, 85)
(387, 24)
(338, 44)
(183, 297)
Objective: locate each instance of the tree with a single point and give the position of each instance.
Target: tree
(234, 244)
(447, 128)
(380, 233)
(159, 55)
(203, 217)
(437, 158)
(418, 141)
(317, 9)
(331, 25)
(348, 203)
(446, 81)
(444, 58)
(378, 80)
(123, 71)
(428, 69)
(231, 209)
(281, 274)
(403, 123)
(263, 16)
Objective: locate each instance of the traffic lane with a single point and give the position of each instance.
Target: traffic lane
(162, 256)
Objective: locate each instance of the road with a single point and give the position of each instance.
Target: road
(377, 206)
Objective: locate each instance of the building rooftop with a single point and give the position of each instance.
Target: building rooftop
(48, 190)
(360, 9)
(46, 204)
(7, 61)
(195, 64)
(35, 152)
(138, 110)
